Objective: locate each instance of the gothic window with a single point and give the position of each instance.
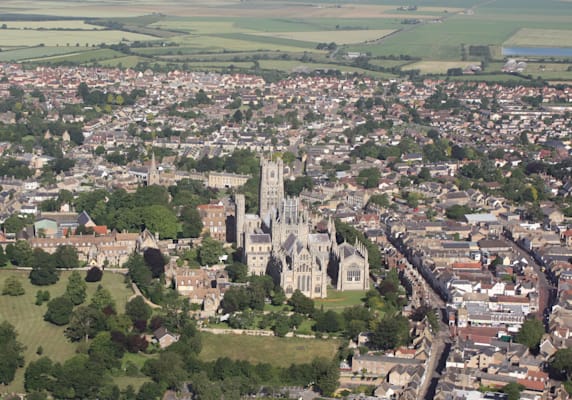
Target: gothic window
(354, 275)
(317, 289)
(288, 289)
(272, 174)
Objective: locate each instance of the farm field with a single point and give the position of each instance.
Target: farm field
(16, 37)
(39, 52)
(28, 318)
(280, 352)
(540, 38)
(59, 25)
(83, 57)
(339, 37)
(294, 65)
(437, 67)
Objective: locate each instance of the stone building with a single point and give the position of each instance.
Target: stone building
(280, 242)
(213, 217)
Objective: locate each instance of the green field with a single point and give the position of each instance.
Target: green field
(337, 301)
(280, 352)
(17, 37)
(39, 52)
(33, 331)
(540, 38)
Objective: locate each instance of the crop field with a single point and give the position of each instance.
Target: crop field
(28, 318)
(280, 352)
(437, 67)
(10, 37)
(339, 37)
(39, 52)
(50, 25)
(84, 57)
(540, 38)
(294, 65)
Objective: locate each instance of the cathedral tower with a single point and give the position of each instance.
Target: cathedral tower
(271, 186)
(240, 204)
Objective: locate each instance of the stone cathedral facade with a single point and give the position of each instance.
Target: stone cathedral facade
(280, 242)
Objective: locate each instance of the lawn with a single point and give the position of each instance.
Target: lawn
(337, 301)
(280, 352)
(33, 331)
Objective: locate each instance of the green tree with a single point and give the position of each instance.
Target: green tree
(562, 362)
(66, 257)
(457, 212)
(369, 177)
(138, 310)
(531, 333)
(105, 352)
(43, 269)
(237, 272)
(158, 218)
(167, 370)
(192, 223)
(76, 288)
(59, 311)
(102, 299)
(512, 390)
(13, 287)
(85, 323)
(11, 353)
(38, 375)
(300, 303)
(327, 375)
(391, 332)
(21, 254)
(210, 251)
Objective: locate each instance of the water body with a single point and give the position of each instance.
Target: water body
(538, 51)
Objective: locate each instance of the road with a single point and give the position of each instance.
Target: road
(545, 289)
(440, 347)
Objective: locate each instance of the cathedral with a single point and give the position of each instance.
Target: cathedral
(280, 242)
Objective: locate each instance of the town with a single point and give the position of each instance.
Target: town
(418, 230)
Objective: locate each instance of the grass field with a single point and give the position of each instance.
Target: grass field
(339, 37)
(15, 37)
(280, 352)
(540, 38)
(63, 24)
(437, 67)
(337, 301)
(83, 57)
(39, 52)
(28, 319)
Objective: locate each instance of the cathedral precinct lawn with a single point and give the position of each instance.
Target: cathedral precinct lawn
(337, 301)
(280, 352)
(28, 318)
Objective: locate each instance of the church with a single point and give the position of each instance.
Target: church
(280, 242)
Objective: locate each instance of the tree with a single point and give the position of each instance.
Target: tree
(11, 353)
(237, 272)
(59, 311)
(94, 274)
(391, 332)
(512, 390)
(21, 254)
(138, 310)
(531, 333)
(85, 323)
(167, 370)
(66, 257)
(210, 251)
(102, 299)
(327, 375)
(76, 289)
(105, 352)
(369, 177)
(457, 212)
(43, 269)
(160, 219)
(192, 223)
(13, 287)
(562, 363)
(330, 321)
(156, 262)
(300, 303)
(38, 375)
(150, 391)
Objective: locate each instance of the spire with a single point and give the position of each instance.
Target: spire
(153, 163)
